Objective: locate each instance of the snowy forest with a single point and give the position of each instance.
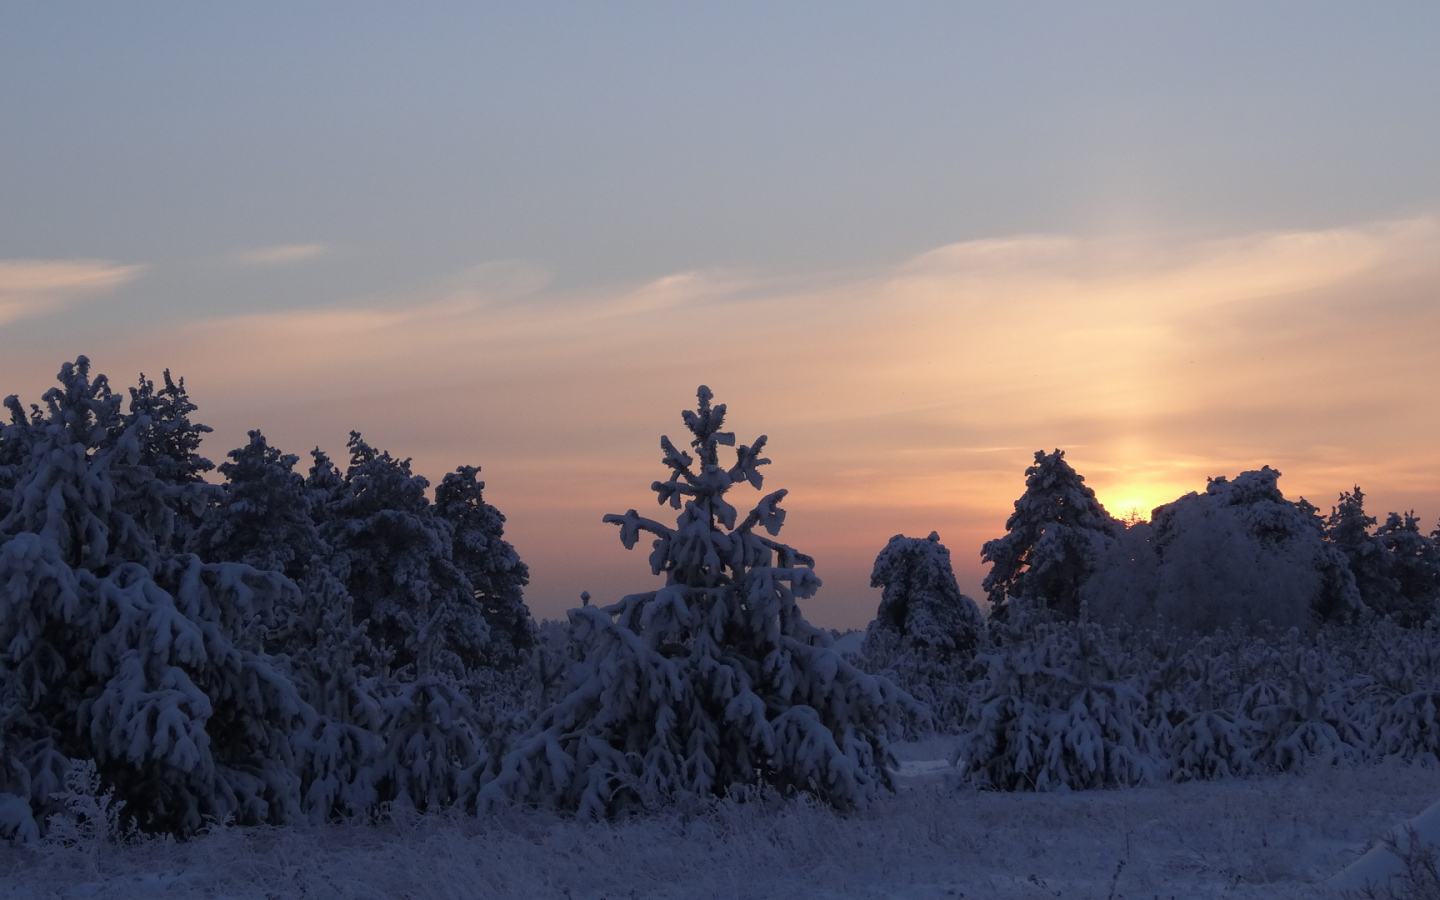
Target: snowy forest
(267, 641)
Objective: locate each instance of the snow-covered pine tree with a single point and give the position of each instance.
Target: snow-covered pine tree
(489, 563)
(114, 651)
(262, 516)
(262, 519)
(925, 632)
(1414, 567)
(170, 448)
(425, 630)
(393, 553)
(1053, 542)
(714, 681)
(1304, 712)
(1242, 553)
(16, 439)
(920, 599)
(1348, 529)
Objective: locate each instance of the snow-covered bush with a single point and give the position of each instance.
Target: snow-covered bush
(1055, 712)
(1305, 710)
(714, 681)
(925, 633)
(1054, 542)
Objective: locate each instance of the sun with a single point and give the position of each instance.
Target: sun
(1132, 509)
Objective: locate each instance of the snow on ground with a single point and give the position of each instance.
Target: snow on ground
(1271, 838)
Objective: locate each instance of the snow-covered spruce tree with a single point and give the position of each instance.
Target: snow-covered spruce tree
(489, 563)
(925, 633)
(1052, 544)
(115, 651)
(714, 681)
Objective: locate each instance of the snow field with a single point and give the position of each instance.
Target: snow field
(1265, 838)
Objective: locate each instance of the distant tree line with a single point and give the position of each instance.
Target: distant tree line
(272, 645)
(1236, 632)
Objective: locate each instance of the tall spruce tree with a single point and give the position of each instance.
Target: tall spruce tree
(713, 681)
(1052, 544)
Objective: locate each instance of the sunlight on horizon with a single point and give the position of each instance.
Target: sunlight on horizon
(900, 401)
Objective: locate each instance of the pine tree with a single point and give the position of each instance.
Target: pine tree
(170, 449)
(714, 681)
(1242, 553)
(1052, 545)
(423, 636)
(262, 516)
(925, 632)
(393, 553)
(17, 439)
(1348, 529)
(1413, 564)
(113, 650)
(489, 563)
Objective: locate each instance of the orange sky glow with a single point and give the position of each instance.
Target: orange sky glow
(899, 399)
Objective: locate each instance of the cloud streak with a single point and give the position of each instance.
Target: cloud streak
(280, 254)
(38, 287)
(897, 400)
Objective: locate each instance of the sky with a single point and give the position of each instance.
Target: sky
(912, 243)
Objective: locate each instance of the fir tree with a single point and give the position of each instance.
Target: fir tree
(1053, 542)
(713, 681)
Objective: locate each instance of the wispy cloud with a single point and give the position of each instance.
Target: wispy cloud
(36, 287)
(280, 254)
(900, 400)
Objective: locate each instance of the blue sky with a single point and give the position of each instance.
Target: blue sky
(740, 192)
